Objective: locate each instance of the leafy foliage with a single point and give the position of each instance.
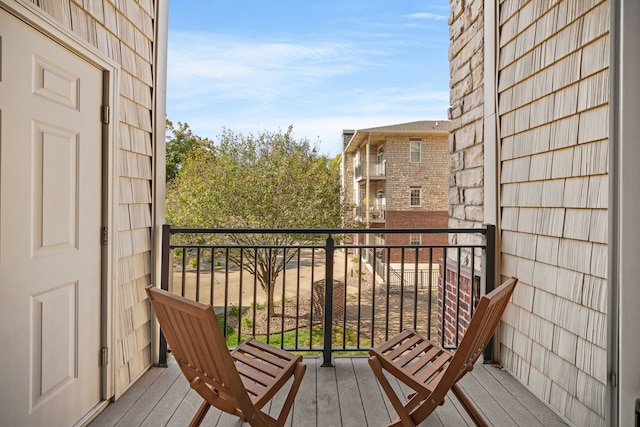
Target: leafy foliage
(181, 141)
(266, 181)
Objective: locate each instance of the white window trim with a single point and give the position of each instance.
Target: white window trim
(419, 141)
(419, 197)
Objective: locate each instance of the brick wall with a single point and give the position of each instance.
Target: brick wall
(408, 219)
(458, 297)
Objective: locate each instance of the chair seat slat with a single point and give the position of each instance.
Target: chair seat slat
(257, 365)
(438, 365)
(427, 358)
(382, 348)
(259, 352)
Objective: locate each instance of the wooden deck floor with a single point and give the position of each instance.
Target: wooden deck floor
(345, 395)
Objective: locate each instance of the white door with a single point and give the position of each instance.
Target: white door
(50, 219)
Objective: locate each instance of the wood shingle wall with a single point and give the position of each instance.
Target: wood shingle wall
(552, 105)
(124, 32)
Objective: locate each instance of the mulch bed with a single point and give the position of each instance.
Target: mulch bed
(303, 314)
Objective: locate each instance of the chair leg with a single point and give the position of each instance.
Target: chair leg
(468, 406)
(199, 416)
(405, 419)
(298, 374)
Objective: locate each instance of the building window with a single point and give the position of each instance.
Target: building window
(415, 239)
(380, 164)
(415, 150)
(414, 199)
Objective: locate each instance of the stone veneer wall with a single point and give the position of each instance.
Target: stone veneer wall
(430, 174)
(466, 159)
(466, 143)
(553, 89)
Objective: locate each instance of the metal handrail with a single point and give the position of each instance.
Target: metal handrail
(370, 279)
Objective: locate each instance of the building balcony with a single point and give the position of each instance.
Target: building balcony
(377, 172)
(374, 213)
(330, 301)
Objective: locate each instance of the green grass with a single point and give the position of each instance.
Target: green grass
(304, 333)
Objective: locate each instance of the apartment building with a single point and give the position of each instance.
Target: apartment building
(397, 177)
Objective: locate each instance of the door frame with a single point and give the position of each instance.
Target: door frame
(40, 21)
(623, 340)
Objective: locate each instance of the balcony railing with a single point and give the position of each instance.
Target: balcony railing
(377, 171)
(326, 290)
(375, 212)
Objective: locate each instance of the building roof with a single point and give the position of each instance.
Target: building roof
(411, 129)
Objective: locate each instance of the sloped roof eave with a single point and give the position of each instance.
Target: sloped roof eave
(416, 129)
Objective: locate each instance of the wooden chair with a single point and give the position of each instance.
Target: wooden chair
(432, 371)
(239, 382)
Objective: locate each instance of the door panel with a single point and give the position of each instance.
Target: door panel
(50, 219)
(55, 192)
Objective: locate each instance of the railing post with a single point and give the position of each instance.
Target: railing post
(490, 253)
(165, 267)
(328, 302)
(490, 280)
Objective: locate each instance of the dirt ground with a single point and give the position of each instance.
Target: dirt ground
(370, 309)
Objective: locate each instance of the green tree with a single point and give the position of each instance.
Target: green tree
(181, 141)
(266, 181)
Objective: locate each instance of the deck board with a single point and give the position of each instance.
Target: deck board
(345, 395)
(305, 406)
(169, 403)
(113, 413)
(351, 402)
(546, 416)
(516, 410)
(328, 406)
(374, 405)
(487, 407)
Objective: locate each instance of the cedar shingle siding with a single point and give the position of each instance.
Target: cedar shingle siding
(552, 144)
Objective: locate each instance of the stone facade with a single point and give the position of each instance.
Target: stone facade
(395, 174)
(429, 175)
(466, 143)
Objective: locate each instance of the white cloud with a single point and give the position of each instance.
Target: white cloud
(320, 87)
(426, 15)
(212, 56)
(258, 73)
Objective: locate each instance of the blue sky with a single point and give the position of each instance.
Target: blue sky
(320, 66)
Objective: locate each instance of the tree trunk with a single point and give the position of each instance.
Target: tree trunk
(270, 299)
